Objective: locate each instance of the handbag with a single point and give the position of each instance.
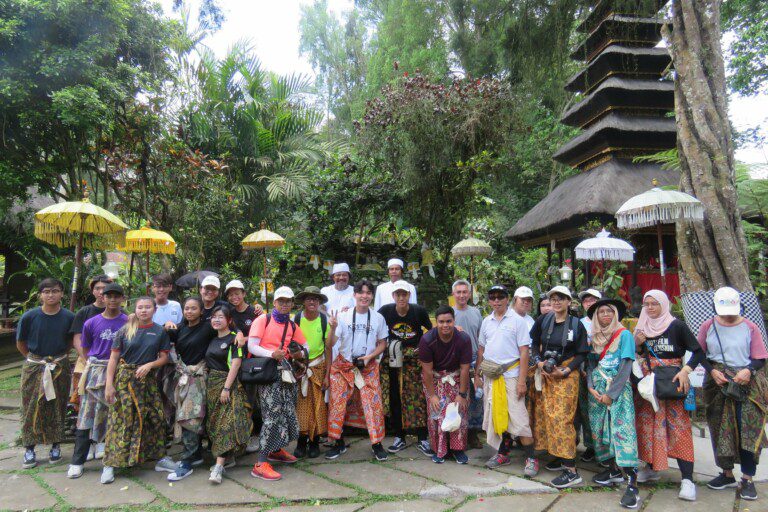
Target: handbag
(664, 387)
(262, 370)
(732, 390)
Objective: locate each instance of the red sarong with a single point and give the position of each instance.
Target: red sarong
(342, 388)
(441, 441)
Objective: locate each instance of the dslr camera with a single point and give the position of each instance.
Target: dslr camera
(551, 358)
(358, 362)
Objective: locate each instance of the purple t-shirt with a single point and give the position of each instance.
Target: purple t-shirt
(445, 356)
(98, 334)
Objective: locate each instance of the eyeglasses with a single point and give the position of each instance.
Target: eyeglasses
(556, 300)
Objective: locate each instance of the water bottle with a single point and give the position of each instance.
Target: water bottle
(479, 394)
(435, 415)
(690, 400)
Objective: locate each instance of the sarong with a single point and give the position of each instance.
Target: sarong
(136, 427)
(42, 419)
(724, 431)
(166, 383)
(554, 430)
(533, 397)
(94, 409)
(343, 386)
(228, 425)
(77, 372)
(613, 427)
(278, 412)
(311, 408)
(582, 416)
(189, 398)
(447, 389)
(663, 434)
(413, 408)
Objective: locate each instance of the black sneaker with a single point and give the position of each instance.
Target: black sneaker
(588, 455)
(630, 498)
(301, 448)
(397, 445)
(379, 452)
(337, 450)
(747, 490)
(567, 478)
(424, 448)
(314, 449)
(55, 454)
(721, 482)
(555, 465)
(30, 460)
(609, 477)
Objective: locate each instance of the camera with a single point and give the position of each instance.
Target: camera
(358, 362)
(550, 358)
(294, 347)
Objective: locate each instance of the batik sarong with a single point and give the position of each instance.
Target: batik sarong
(229, 424)
(554, 431)
(135, 427)
(311, 408)
(414, 411)
(189, 398)
(166, 383)
(724, 430)
(665, 433)
(613, 427)
(94, 409)
(278, 412)
(77, 372)
(446, 389)
(44, 396)
(345, 380)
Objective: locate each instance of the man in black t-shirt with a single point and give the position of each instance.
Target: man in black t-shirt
(406, 323)
(209, 291)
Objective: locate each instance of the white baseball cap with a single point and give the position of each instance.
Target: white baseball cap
(211, 281)
(235, 283)
(524, 293)
(340, 267)
(727, 301)
(283, 292)
(591, 292)
(400, 285)
(395, 262)
(562, 290)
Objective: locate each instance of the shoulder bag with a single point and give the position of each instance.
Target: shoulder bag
(263, 370)
(664, 387)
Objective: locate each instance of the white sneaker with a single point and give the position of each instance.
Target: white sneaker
(687, 490)
(75, 471)
(253, 445)
(91, 453)
(647, 474)
(216, 473)
(108, 475)
(166, 464)
(229, 462)
(99, 451)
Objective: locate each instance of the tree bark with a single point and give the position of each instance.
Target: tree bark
(712, 253)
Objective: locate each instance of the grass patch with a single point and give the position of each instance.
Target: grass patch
(12, 383)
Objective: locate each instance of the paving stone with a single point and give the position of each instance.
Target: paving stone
(197, 490)
(421, 505)
(466, 479)
(295, 484)
(526, 502)
(376, 478)
(9, 429)
(10, 459)
(598, 501)
(349, 507)
(88, 492)
(706, 499)
(21, 492)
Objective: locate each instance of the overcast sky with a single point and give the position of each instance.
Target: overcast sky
(272, 27)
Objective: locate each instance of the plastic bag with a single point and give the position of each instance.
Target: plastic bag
(647, 389)
(452, 420)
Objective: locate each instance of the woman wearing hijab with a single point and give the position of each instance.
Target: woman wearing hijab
(662, 340)
(610, 404)
(734, 353)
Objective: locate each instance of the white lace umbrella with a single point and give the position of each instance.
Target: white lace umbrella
(471, 247)
(604, 247)
(656, 207)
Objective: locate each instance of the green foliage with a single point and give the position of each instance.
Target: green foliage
(757, 237)
(747, 55)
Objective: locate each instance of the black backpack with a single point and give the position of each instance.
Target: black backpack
(323, 322)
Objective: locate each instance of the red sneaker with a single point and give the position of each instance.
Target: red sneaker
(265, 472)
(281, 456)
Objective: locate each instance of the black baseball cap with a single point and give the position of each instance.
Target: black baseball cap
(499, 288)
(114, 288)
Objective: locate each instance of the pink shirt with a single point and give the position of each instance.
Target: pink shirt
(270, 340)
(740, 342)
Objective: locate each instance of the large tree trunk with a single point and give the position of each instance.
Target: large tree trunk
(711, 253)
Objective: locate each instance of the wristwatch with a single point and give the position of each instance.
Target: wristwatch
(462, 395)
(227, 390)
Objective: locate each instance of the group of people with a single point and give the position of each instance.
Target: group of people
(226, 374)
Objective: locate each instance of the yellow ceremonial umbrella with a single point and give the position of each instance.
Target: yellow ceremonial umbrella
(263, 239)
(148, 240)
(78, 223)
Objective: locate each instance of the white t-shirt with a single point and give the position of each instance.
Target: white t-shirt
(168, 312)
(353, 342)
(587, 323)
(501, 339)
(338, 299)
(384, 295)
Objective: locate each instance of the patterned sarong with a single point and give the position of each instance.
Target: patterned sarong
(411, 390)
(94, 409)
(135, 427)
(228, 425)
(342, 388)
(42, 419)
(166, 383)
(278, 412)
(583, 421)
(613, 427)
(447, 389)
(311, 408)
(662, 434)
(554, 415)
(724, 431)
(189, 398)
(77, 372)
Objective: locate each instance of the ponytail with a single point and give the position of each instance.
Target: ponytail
(133, 322)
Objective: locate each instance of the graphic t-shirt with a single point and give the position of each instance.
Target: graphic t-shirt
(99, 333)
(46, 335)
(221, 351)
(358, 333)
(409, 328)
(145, 345)
(243, 320)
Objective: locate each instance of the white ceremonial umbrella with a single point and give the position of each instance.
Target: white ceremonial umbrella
(656, 207)
(604, 247)
(471, 247)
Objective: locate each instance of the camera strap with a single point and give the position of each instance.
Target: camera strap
(566, 326)
(354, 326)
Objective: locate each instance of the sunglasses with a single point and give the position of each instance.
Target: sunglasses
(497, 297)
